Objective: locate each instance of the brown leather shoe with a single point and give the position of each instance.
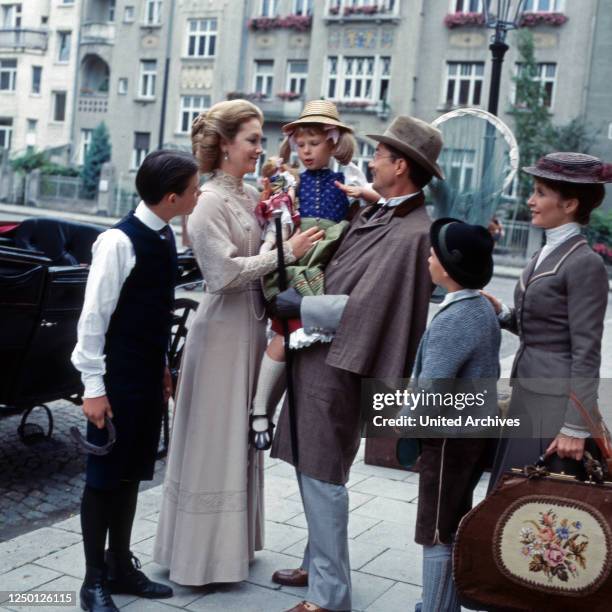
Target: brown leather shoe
(306, 606)
(291, 577)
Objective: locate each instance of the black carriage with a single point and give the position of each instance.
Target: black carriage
(43, 272)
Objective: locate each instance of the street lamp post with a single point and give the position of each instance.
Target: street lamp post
(507, 17)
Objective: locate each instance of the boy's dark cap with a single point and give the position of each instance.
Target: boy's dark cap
(465, 251)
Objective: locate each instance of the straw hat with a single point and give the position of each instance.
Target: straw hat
(416, 139)
(318, 111)
(571, 168)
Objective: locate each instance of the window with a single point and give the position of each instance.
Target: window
(6, 131)
(148, 72)
(358, 78)
(302, 7)
(36, 79)
(543, 6)
(128, 14)
(59, 106)
(459, 164)
(464, 83)
(142, 142)
(30, 136)
(365, 153)
(153, 9)
(112, 5)
(11, 16)
(8, 74)
(268, 8)
(63, 46)
(84, 145)
(546, 76)
(297, 72)
(264, 77)
(201, 37)
(467, 6)
(122, 86)
(191, 107)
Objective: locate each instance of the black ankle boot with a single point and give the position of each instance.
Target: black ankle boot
(94, 595)
(124, 576)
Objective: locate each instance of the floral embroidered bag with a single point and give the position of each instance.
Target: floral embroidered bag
(539, 541)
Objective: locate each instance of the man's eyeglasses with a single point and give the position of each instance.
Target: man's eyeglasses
(379, 155)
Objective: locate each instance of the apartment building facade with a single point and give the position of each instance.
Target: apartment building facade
(148, 67)
(38, 59)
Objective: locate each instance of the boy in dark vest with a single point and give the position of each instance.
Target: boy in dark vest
(123, 337)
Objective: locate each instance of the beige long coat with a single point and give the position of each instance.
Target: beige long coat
(211, 519)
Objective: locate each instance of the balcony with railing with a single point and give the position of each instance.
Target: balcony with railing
(284, 107)
(24, 39)
(98, 33)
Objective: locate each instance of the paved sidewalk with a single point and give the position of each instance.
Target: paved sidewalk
(385, 560)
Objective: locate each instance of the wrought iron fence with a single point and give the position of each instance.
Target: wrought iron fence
(515, 238)
(57, 187)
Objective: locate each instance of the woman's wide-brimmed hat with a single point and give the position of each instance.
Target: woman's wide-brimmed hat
(416, 139)
(318, 111)
(571, 168)
(465, 251)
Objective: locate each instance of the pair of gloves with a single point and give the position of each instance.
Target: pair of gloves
(287, 304)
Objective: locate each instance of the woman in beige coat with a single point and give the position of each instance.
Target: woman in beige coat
(211, 519)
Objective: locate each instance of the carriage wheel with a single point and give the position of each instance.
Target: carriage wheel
(33, 433)
(183, 309)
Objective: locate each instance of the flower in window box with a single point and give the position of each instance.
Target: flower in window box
(334, 10)
(300, 23)
(457, 20)
(530, 20)
(288, 95)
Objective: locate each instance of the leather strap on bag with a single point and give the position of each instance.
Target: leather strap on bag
(598, 430)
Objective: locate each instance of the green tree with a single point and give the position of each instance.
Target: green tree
(532, 118)
(98, 152)
(577, 135)
(39, 160)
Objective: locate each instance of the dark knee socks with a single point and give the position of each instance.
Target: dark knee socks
(122, 511)
(109, 512)
(94, 525)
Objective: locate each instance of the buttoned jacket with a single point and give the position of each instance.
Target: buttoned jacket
(558, 314)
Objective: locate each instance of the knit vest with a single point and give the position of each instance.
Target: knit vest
(139, 331)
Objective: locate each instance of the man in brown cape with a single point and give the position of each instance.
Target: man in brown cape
(378, 289)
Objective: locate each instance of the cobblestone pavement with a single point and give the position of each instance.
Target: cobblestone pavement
(42, 483)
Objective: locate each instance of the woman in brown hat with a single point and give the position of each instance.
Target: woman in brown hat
(558, 314)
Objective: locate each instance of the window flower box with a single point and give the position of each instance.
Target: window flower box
(300, 23)
(243, 95)
(531, 20)
(458, 20)
(288, 95)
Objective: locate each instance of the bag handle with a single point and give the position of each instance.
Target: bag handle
(593, 468)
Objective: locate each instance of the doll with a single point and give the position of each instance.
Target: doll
(279, 194)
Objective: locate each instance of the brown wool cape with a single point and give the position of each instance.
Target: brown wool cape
(382, 266)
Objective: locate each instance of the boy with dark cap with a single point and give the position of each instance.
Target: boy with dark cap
(461, 342)
(123, 337)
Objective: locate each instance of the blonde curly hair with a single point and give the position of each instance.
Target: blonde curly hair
(220, 121)
(343, 151)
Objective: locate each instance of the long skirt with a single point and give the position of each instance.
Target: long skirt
(211, 519)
